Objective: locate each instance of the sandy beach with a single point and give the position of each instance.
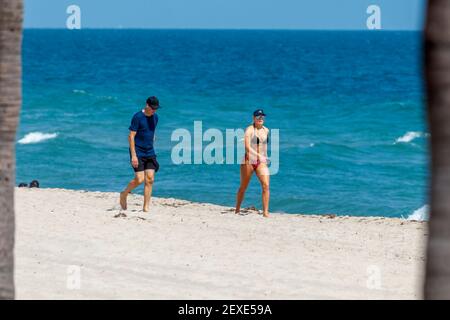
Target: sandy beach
(185, 250)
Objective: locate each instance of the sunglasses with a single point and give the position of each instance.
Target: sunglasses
(260, 117)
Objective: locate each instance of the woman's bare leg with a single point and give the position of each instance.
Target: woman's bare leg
(262, 172)
(246, 174)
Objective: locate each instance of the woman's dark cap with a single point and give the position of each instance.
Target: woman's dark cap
(258, 113)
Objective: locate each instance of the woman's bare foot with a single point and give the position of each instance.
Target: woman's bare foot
(123, 200)
(237, 211)
(146, 209)
(266, 215)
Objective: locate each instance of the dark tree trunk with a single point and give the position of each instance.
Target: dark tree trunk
(11, 12)
(437, 66)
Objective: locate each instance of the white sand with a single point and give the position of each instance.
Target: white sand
(184, 250)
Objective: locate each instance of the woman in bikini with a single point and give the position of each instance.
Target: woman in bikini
(256, 139)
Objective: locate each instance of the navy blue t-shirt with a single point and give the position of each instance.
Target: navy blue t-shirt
(145, 133)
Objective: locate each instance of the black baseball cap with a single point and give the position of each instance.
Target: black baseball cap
(153, 102)
(258, 112)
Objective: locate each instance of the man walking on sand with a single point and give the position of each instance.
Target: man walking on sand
(142, 153)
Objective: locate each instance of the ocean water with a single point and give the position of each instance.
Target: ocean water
(349, 107)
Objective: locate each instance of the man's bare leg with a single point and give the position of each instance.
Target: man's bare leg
(264, 178)
(148, 188)
(138, 179)
(246, 174)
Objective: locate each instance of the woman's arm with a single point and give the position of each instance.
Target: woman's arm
(250, 152)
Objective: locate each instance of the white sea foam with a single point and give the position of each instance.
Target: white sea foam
(78, 91)
(37, 137)
(410, 136)
(420, 214)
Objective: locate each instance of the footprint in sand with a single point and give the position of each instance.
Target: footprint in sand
(120, 215)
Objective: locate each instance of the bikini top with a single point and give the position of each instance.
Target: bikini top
(256, 140)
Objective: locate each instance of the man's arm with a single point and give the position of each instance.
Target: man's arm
(134, 159)
(156, 119)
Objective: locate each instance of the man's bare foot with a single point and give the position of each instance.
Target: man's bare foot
(237, 211)
(146, 209)
(266, 215)
(123, 200)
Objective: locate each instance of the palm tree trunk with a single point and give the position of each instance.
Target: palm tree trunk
(437, 66)
(11, 12)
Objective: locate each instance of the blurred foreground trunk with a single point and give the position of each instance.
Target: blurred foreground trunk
(11, 12)
(437, 64)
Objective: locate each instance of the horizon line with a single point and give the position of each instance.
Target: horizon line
(222, 29)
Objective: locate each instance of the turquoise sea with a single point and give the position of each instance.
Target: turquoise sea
(349, 107)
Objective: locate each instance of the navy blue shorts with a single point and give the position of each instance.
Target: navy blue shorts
(146, 163)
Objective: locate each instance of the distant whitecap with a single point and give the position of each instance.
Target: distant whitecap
(410, 136)
(37, 137)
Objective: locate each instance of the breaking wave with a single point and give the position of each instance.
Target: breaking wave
(37, 137)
